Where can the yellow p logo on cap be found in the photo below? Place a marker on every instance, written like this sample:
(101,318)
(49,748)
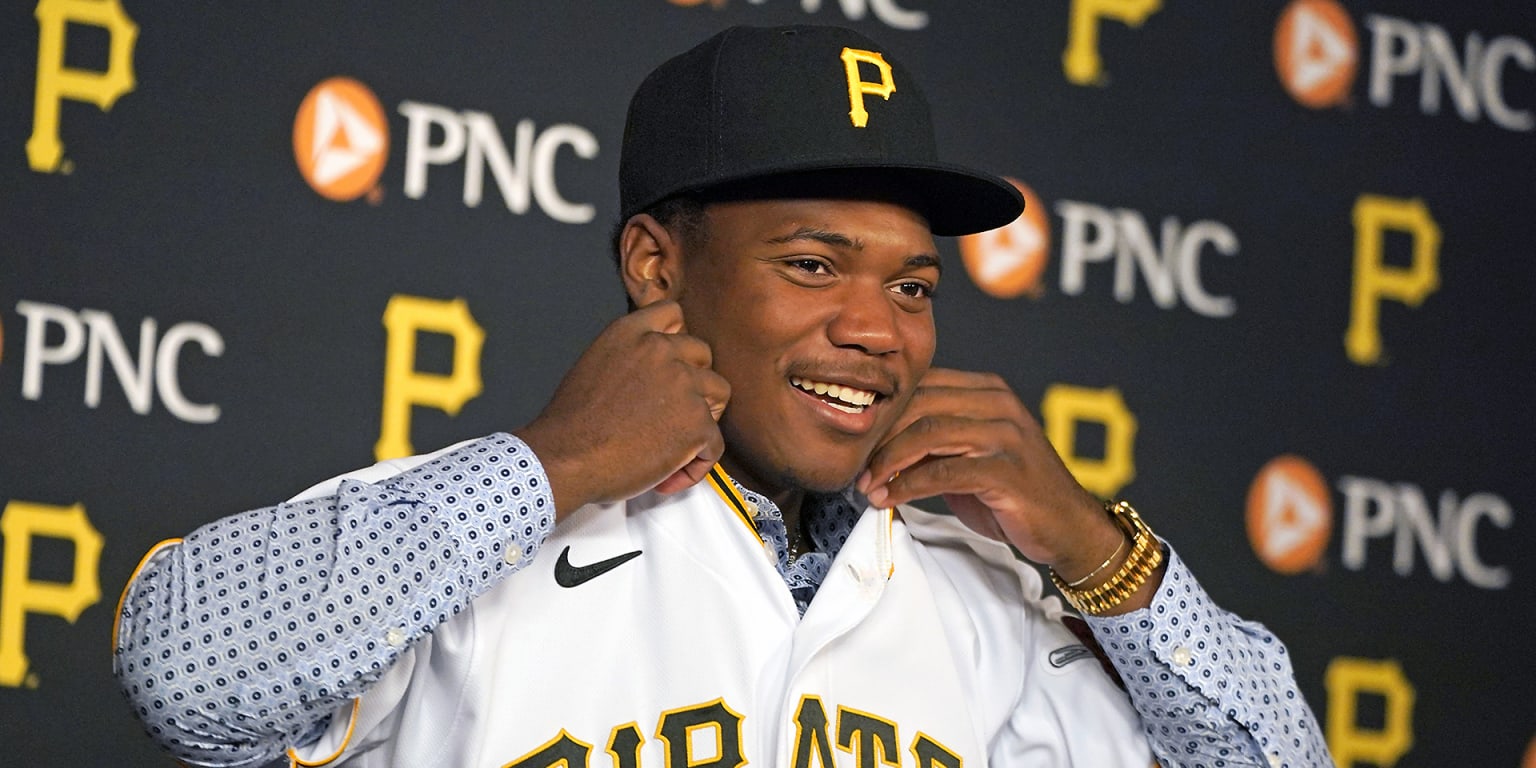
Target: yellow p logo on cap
(858,86)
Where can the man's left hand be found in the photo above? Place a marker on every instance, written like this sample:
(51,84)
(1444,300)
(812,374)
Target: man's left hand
(967,437)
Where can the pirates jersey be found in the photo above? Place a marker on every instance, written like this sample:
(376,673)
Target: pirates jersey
(657,632)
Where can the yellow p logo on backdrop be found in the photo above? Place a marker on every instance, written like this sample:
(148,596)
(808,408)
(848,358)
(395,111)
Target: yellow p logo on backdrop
(1064,408)
(404,386)
(1081,62)
(1375,280)
(56,82)
(858,87)
(22,522)
(1348,679)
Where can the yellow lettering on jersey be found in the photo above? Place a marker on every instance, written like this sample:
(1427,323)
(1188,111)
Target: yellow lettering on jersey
(931,754)
(1064,407)
(404,386)
(56,82)
(563,751)
(811,737)
(624,744)
(22,522)
(679,730)
(858,86)
(1375,280)
(1081,62)
(871,739)
(1346,679)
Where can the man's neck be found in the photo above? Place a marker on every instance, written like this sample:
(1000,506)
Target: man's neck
(788,497)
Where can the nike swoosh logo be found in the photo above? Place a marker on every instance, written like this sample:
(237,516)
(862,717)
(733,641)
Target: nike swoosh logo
(568,576)
(1065,655)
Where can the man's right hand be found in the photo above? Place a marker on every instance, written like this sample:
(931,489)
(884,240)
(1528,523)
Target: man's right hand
(638,411)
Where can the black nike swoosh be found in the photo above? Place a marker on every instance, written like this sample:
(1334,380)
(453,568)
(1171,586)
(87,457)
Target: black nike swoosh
(567,575)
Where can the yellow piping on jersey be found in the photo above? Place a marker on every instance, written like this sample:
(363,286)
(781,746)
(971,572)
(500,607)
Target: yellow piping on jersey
(295,760)
(143,561)
(890,534)
(727,490)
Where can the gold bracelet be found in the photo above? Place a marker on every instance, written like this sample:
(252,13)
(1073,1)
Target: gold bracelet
(1118,549)
(1146,555)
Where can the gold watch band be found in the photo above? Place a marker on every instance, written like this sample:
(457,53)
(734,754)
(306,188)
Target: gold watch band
(1145,557)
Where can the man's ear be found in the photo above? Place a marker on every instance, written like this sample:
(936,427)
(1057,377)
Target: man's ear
(650,261)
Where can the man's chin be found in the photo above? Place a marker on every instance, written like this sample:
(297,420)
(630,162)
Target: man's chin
(822,478)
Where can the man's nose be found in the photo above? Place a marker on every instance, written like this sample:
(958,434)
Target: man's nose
(866,319)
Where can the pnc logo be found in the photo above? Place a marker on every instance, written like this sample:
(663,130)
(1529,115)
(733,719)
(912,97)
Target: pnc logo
(888,12)
(1316,52)
(1008,262)
(340,140)
(1163,261)
(1290,520)
(1290,515)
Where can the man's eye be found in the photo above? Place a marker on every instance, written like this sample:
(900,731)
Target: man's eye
(814,266)
(915,290)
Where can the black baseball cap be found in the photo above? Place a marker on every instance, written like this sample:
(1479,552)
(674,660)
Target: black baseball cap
(781,104)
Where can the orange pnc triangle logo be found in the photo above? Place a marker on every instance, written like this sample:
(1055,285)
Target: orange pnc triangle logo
(1290,515)
(1007,262)
(340,139)
(1317,52)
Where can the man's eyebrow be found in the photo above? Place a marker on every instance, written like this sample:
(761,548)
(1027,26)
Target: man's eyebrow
(924,260)
(819,235)
(919,261)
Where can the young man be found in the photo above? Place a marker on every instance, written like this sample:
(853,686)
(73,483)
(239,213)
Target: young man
(700,552)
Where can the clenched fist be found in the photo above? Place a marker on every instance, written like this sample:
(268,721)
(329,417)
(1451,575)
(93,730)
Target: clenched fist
(638,411)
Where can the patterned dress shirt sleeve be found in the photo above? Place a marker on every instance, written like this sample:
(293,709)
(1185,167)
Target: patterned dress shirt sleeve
(243,638)
(1212,689)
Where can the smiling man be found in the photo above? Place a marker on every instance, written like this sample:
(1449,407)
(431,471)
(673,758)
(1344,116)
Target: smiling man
(701,553)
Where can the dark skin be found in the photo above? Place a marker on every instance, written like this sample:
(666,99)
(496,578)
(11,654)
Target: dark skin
(735,330)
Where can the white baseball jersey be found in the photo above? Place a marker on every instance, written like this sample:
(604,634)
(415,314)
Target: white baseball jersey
(657,633)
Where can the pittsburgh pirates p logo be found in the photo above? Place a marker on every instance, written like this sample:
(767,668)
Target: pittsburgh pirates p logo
(858,86)
(57,81)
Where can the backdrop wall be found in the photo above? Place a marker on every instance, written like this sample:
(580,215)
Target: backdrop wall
(1272,286)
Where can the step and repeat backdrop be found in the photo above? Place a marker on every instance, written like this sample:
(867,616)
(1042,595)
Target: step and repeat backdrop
(1273,285)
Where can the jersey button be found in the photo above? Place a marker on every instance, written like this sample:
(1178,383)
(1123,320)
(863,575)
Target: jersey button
(394,637)
(514,554)
(1182,656)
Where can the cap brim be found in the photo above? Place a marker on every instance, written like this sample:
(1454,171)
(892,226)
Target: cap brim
(955,200)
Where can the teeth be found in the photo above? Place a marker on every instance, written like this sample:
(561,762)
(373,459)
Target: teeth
(858,398)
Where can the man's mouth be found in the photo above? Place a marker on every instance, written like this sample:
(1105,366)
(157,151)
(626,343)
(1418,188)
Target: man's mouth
(840,396)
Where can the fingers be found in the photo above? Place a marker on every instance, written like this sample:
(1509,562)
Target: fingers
(665,319)
(716,391)
(690,475)
(949,377)
(935,475)
(688,349)
(662,317)
(945,391)
(697,468)
(936,436)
